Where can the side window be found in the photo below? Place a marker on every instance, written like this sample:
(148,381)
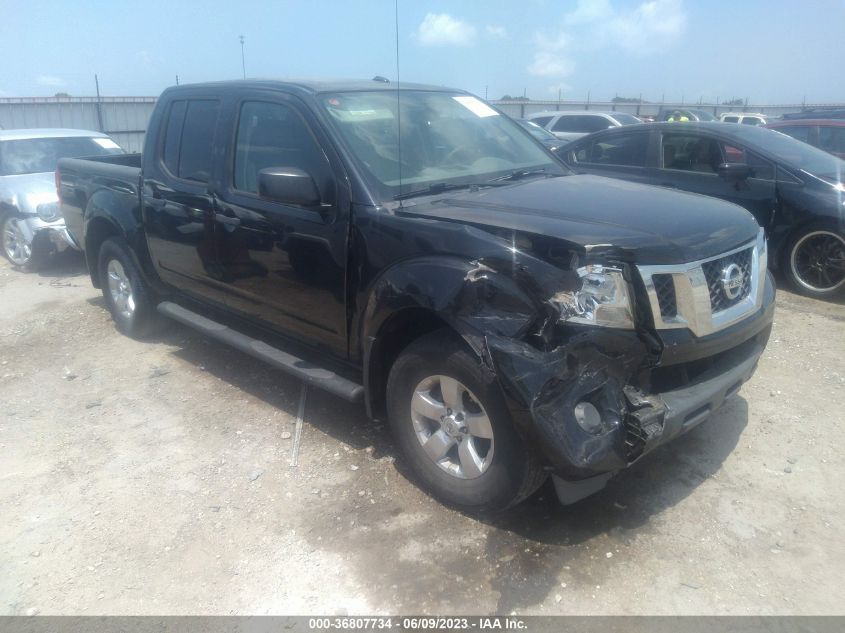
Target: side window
(751,120)
(274,135)
(542,121)
(761,168)
(832,139)
(688,152)
(197,139)
(627,150)
(581,123)
(799,132)
(730,119)
(172,136)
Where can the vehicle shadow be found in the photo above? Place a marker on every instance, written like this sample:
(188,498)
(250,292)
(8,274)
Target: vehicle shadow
(69,263)
(524,550)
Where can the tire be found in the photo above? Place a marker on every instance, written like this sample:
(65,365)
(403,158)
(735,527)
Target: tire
(475,473)
(814,261)
(15,247)
(127,296)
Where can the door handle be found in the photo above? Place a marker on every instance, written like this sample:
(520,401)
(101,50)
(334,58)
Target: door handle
(226,219)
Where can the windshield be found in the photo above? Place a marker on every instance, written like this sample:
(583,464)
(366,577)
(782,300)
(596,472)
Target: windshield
(37,155)
(703,116)
(445,138)
(536,131)
(801,155)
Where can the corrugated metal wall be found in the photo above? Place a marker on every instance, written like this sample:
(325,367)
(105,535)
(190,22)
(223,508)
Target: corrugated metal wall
(122,118)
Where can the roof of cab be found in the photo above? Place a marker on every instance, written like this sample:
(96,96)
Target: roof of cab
(312,86)
(55,132)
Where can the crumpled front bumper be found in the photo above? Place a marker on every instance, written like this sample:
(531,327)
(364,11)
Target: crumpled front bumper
(643,403)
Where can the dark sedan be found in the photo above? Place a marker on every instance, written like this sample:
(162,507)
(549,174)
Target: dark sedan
(794,191)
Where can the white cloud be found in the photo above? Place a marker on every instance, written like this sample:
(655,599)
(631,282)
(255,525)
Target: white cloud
(551,64)
(496,31)
(589,11)
(441,29)
(50,80)
(651,27)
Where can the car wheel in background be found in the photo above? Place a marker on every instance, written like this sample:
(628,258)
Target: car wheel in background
(127,296)
(16,248)
(454,428)
(815,262)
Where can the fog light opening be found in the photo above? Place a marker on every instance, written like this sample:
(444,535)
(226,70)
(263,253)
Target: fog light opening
(588,417)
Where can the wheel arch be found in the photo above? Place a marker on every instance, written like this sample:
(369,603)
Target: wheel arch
(426,294)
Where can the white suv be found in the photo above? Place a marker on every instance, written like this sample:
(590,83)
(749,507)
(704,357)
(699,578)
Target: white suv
(569,125)
(747,118)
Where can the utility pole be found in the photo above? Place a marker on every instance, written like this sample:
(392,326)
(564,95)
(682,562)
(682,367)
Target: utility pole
(99,104)
(243,62)
(177,80)
(485,92)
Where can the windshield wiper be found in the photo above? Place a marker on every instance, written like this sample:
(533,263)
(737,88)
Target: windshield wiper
(518,174)
(439,187)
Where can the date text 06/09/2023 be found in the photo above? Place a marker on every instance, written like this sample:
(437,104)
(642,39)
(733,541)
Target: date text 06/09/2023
(424,623)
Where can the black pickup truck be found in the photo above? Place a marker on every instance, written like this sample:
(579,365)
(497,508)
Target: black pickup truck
(413,248)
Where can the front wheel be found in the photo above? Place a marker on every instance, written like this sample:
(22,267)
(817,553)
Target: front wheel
(16,247)
(127,296)
(455,430)
(815,262)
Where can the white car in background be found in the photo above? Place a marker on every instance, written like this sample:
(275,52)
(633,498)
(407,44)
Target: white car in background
(31,223)
(569,125)
(745,118)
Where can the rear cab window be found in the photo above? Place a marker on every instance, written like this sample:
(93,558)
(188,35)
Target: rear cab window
(581,123)
(186,152)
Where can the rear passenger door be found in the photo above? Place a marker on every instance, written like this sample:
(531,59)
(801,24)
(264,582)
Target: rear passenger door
(178,206)
(284,265)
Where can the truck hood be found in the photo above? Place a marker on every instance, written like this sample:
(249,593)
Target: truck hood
(26,191)
(638,223)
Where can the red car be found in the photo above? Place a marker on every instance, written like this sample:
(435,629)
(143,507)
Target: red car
(826,134)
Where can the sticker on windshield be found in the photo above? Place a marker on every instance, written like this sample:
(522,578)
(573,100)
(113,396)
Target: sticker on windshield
(106,143)
(478,108)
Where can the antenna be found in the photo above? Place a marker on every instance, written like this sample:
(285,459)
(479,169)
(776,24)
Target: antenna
(398,102)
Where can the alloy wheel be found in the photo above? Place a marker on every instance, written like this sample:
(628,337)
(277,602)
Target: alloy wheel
(17,249)
(817,261)
(452,427)
(120,289)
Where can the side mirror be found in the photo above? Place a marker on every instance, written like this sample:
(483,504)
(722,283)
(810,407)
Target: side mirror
(734,172)
(289,185)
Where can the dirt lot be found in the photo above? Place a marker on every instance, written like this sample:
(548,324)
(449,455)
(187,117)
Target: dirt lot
(156,478)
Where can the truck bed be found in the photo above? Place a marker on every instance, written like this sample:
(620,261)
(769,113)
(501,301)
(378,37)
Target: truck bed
(82,178)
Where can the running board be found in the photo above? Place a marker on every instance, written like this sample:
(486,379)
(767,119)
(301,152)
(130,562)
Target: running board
(310,373)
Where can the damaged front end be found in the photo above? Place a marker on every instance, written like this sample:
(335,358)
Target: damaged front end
(589,383)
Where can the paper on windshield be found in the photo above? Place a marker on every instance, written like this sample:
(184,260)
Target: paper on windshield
(478,108)
(106,143)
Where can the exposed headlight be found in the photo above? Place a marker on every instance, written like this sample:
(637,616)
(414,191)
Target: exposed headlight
(49,211)
(602,300)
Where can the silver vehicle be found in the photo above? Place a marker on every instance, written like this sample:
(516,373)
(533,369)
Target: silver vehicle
(31,223)
(569,125)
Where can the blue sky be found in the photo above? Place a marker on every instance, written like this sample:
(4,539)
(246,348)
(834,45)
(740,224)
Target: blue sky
(776,51)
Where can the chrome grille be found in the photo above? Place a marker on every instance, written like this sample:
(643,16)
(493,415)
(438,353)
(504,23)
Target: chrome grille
(664,286)
(708,295)
(714,270)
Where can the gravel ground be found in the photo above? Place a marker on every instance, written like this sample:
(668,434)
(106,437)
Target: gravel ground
(157,478)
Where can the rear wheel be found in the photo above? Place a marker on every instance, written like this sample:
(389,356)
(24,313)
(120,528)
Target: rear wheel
(127,296)
(455,430)
(815,262)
